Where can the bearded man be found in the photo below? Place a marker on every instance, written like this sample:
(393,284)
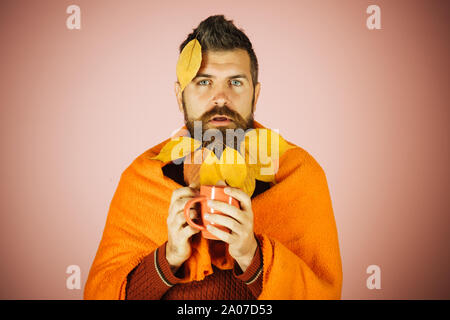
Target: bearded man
(283,240)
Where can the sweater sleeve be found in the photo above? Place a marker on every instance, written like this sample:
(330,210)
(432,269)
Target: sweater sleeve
(151,278)
(253,276)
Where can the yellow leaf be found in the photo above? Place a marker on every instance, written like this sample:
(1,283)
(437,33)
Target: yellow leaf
(249,147)
(249,184)
(189,62)
(209,170)
(232,167)
(177,148)
(263,146)
(262,172)
(196,157)
(276,145)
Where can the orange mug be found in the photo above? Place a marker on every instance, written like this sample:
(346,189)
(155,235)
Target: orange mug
(209,193)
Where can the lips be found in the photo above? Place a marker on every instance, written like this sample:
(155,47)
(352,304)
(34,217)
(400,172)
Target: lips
(220,118)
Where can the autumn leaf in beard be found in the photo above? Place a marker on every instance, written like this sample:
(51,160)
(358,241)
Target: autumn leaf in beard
(191,169)
(257,159)
(232,167)
(209,170)
(263,149)
(177,148)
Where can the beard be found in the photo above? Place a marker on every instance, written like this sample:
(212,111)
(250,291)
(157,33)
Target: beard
(233,136)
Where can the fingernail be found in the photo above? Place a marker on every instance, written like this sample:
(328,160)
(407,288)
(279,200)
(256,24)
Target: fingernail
(206,216)
(210,202)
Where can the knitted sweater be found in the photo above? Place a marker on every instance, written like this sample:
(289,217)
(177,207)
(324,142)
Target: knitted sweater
(153,278)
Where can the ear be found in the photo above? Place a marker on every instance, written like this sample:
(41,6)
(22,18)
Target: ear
(257,89)
(178,94)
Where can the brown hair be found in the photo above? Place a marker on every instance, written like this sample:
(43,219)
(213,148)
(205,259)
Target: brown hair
(217,33)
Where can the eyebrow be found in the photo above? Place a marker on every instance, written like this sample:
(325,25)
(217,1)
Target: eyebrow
(205,75)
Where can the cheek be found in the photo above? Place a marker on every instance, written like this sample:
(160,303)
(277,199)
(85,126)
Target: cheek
(243,103)
(195,107)
(244,94)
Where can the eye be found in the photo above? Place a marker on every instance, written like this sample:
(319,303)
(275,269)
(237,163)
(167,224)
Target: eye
(203,82)
(236,83)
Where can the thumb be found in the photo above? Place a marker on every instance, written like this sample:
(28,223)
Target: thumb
(194,184)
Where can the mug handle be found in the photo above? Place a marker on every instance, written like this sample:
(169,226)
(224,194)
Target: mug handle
(188,206)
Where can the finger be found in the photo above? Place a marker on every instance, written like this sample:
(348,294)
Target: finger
(194,184)
(181,219)
(174,209)
(221,235)
(225,221)
(221,183)
(189,231)
(182,192)
(241,196)
(228,209)
(178,205)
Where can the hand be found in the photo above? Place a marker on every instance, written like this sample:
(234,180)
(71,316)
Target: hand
(178,248)
(241,241)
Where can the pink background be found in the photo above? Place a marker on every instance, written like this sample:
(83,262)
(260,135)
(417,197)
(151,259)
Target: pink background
(372,107)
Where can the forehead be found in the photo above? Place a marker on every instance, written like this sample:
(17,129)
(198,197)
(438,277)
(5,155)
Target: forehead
(227,61)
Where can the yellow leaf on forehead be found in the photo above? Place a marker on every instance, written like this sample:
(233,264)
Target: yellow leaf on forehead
(189,62)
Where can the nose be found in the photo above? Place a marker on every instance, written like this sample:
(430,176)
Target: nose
(220,98)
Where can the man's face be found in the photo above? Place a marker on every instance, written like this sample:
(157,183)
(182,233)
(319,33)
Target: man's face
(222,95)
